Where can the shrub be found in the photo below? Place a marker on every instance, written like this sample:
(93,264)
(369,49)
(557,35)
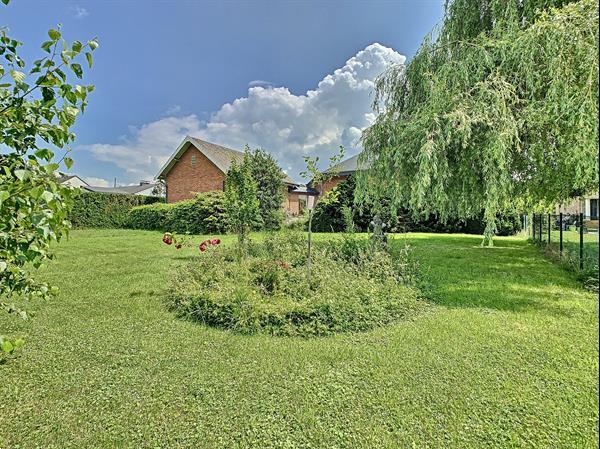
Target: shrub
(204,214)
(105,210)
(331,214)
(151,217)
(267,291)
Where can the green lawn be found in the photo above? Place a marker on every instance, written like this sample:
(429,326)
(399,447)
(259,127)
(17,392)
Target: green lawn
(506,357)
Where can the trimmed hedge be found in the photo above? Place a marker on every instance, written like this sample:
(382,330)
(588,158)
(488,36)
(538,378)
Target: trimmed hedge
(105,210)
(205,214)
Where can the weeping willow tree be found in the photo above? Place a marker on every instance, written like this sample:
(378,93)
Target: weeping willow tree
(497,110)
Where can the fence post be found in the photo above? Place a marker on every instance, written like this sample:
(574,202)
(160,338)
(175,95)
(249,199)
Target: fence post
(560,224)
(580,240)
(549,228)
(541,227)
(533,227)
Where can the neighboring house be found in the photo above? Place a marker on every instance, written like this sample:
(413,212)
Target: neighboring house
(586,205)
(71,180)
(144,188)
(342,171)
(198,166)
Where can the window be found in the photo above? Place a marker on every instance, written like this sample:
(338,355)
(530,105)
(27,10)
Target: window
(594,209)
(194,160)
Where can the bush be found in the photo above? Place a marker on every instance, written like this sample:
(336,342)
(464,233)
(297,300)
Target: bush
(152,217)
(267,292)
(330,216)
(205,214)
(105,210)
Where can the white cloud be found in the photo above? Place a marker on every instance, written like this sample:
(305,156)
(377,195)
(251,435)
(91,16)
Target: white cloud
(96,182)
(148,147)
(79,12)
(287,125)
(263,83)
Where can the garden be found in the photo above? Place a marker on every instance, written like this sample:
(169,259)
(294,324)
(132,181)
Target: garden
(503,355)
(406,309)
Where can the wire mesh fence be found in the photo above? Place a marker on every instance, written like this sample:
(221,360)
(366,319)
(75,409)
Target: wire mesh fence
(572,237)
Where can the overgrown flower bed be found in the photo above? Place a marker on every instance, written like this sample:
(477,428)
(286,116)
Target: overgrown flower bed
(355,285)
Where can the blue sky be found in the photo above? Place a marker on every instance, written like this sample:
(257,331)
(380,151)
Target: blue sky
(257,72)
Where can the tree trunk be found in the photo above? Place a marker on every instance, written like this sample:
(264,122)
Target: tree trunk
(309,256)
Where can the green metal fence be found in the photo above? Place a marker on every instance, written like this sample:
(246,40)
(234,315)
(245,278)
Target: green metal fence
(574,237)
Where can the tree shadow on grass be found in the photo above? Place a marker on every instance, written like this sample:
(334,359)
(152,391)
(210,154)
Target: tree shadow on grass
(511,276)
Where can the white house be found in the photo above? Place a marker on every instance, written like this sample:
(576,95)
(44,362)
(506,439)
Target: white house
(71,180)
(144,188)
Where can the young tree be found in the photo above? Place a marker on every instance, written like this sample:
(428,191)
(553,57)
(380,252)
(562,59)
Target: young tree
(241,202)
(38,105)
(497,110)
(269,186)
(318,178)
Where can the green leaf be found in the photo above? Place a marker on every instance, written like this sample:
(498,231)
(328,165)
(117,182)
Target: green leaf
(3,266)
(93,43)
(77,70)
(45,154)
(76,47)
(47,45)
(68,162)
(6,2)
(22,174)
(88,56)
(19,77)
(47,196)
(54,34)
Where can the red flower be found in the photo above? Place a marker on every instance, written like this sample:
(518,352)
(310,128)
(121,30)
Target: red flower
(215,241)
(167,238)
(202,247)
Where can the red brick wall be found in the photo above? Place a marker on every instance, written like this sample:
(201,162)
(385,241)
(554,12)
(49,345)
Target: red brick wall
(327,186)
(184,180)
(292,205)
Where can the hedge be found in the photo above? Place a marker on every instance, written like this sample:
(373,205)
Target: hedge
(204,214)
(105,210)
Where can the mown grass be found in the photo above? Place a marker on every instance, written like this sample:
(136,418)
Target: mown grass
(507,357)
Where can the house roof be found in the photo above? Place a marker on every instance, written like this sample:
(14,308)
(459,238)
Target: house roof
(64,177)
(219,155)
(305,190)
(348,166)
(127,190)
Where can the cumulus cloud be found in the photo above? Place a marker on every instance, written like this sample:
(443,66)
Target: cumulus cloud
(96,182)
(262,83)
(148,147)
(287,125)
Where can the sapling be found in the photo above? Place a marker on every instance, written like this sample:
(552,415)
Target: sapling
(318,178)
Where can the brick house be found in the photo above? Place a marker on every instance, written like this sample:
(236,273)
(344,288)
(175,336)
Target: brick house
(343,170)
(198,166)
